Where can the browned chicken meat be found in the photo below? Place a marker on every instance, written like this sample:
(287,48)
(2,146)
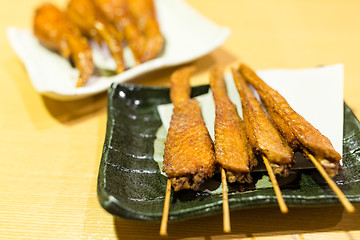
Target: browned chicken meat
(85,15)
(189,156)
(55,31)
(263,135)
(298,132)
(118,12)
(145,15)
(232,148)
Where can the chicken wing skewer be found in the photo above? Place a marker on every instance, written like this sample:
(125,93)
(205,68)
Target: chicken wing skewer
(84,14)
(263,135)
(189,156)
(55,31)
(297,131)
(117,12)
(145,15)
(232,148)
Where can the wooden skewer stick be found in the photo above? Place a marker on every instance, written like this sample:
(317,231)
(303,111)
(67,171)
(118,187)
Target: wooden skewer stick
(226,212)
(345,202)
(280,199)
(165,216)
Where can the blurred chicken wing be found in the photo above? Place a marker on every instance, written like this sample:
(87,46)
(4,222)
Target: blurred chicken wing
(145,16)
(84,14)
(55,31)
(117,12)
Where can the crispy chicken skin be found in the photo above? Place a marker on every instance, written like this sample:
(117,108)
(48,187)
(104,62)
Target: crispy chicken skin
(55,31)
(145,15)
(263,135)
(117,12)
(189,156)
(299,132)
(84,14)
(232,148)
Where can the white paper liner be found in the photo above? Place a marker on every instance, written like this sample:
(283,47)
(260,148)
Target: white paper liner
(315,93)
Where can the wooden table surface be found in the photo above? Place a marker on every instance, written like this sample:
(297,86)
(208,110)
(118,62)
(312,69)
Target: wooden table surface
(50,150)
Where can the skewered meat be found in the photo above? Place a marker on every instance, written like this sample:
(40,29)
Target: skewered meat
(263,135)
(189,152)
(117,12)
(84,14)
(55,31)
(232,148)
(298,132)
(145,15)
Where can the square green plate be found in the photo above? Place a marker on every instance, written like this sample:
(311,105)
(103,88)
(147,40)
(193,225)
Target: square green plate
(131,186)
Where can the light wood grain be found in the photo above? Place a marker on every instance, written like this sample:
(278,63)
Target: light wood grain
(226,208)
(165,215)
(281,202)
(342,198)
(50,150)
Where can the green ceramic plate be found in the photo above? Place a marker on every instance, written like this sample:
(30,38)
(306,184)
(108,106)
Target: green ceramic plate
(131,186)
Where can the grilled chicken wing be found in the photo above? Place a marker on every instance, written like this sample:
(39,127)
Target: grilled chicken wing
(263,135)
(293,126)
(117,12)
(84,14)
(189,152)
(232,148)
(145,15)
(55,31)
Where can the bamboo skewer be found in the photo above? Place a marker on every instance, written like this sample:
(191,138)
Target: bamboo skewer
(282,205)
(165,215)
(279,197)
(226,212)
(345,202)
